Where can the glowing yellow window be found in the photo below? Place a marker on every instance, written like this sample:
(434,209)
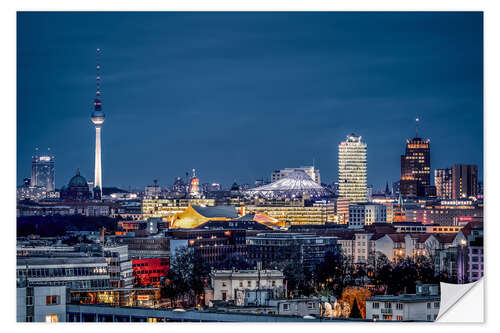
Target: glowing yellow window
(51,318)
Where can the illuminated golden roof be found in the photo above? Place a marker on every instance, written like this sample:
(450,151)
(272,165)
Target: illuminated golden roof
(193,216)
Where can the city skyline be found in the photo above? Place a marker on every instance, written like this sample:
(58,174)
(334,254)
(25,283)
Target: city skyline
(215,126)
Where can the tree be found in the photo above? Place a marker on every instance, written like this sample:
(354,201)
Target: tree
(169,288)
(189,273)
(333,273)
(358,295)
(355,312)
(288,259)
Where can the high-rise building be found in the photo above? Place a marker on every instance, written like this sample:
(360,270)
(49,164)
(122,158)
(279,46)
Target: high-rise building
(311,171)
(443,182)
(416,167)
(464,181)
(352,169)
(97,118)
(43,171)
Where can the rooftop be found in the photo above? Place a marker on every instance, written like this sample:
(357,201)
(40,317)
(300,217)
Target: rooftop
(295,185)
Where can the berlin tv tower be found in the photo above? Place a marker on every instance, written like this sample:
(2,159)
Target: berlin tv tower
(97,118)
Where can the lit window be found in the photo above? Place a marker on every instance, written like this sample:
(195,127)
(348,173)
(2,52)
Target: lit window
(51,300)
(51,318)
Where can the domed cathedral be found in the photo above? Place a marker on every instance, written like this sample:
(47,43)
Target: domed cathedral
(77,190)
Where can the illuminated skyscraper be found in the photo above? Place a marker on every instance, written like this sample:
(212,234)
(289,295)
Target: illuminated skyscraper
(443,182)
(42,171)
(352,169)
(464,182)
(97,118)
(416,167)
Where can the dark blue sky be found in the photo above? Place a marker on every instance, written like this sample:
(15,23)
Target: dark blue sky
(237,95)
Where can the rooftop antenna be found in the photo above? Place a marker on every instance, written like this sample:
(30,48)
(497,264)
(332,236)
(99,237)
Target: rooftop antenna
(98,73)
(416,126)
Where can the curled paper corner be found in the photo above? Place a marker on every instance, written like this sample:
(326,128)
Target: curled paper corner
(462,302)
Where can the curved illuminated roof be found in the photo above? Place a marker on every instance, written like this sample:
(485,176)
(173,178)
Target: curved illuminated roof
(193,216)
(294,185)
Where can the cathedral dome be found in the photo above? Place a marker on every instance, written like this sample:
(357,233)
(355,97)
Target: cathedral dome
(77,180)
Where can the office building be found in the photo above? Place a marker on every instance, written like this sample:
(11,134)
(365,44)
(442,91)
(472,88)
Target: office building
(361,215)
(295,213)
(352,169)
(464,183)
(43,171)
(120,267)
(150,271)
(415,168)
(311,171)
(268,247)
(75,273)
(444,184)
(152,190)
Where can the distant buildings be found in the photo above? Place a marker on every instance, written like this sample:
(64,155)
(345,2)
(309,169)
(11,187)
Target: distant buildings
(457,182)
(43,172)
(443,182)
(416,168)
(295,213)
(445,212)
(464,181)
(269,247)
(41,185)
(152,190)
(194,188)
(361,215)
(352,169)
(167,208)
(311,171)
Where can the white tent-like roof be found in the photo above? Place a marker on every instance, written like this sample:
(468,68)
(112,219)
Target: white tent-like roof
(294,185)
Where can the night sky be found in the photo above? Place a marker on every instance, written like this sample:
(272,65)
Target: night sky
(238,95)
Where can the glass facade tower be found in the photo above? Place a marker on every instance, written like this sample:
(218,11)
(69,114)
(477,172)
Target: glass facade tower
(43,172)
(415,167)
(352,169)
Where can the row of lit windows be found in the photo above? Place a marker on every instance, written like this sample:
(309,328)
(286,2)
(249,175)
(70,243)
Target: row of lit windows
(62,272)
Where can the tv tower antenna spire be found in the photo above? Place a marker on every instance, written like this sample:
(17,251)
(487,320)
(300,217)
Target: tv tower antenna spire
(416,126)
(98,73)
